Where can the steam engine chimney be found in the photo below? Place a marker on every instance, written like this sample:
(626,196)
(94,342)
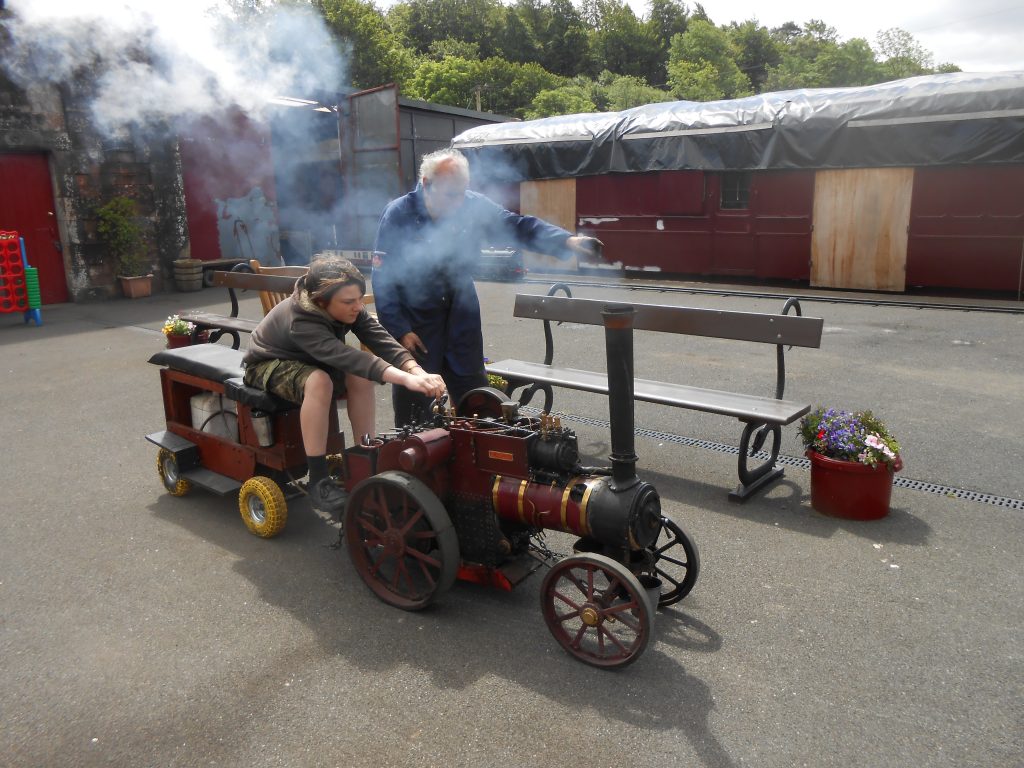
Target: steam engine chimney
(618,334)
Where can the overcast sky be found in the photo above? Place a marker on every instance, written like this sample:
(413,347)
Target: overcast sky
(978,36)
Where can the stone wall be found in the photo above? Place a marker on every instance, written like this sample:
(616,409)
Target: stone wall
(87,169)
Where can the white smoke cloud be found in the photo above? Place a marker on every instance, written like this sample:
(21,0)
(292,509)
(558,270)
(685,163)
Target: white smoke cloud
(154,61)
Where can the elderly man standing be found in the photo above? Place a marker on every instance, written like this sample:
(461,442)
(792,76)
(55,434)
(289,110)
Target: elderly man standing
(429,241)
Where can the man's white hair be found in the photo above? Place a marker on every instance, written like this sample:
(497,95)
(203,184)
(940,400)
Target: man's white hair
(451,160)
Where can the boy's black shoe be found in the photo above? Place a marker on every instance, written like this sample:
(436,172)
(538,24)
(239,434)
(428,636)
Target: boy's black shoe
(327,496)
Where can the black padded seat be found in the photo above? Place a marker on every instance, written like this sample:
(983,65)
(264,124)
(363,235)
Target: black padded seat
(238,390)
(209,361)
(224,365)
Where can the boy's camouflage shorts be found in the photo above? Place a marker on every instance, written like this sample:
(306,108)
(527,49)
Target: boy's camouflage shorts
(287,378)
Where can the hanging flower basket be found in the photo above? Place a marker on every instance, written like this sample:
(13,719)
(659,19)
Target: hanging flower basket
(853,460)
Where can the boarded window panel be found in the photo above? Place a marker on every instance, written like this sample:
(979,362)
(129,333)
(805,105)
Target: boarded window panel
(553,200)
(860,228)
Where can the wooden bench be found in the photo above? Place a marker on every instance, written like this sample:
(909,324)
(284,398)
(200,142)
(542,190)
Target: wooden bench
(232,325)
(760,416)
(274,285)
(212,265)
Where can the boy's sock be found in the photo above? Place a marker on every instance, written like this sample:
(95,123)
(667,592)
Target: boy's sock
(317,468)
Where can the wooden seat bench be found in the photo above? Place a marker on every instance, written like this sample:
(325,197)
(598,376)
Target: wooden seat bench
(274,285)
(232,325)
(761,416)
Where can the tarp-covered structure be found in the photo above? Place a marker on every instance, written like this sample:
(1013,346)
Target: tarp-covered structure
(947,119)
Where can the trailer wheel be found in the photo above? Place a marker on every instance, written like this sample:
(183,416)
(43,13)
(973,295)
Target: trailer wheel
(676,562)
(263,507)
(401,540)
(170,475)
(597,610)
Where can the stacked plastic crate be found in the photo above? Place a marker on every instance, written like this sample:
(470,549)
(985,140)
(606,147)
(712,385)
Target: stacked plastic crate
(19,283)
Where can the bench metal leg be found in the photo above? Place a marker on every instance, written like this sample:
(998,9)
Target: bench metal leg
(216,333)
(753,480)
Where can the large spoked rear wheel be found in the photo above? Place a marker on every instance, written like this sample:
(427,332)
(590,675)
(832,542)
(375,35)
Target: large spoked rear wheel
(263,507)
(596,610)
(401,540)
(676,562)
(170,474)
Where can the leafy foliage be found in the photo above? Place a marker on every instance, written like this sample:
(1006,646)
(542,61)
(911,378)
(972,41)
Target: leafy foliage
(844,436)
(375,54)
(702,65)
(119,230)
(539,57)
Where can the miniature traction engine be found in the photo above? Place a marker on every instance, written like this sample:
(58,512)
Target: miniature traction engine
(468,493)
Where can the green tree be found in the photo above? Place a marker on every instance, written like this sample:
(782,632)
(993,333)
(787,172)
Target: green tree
(509,88)
(623,44)
(421,22)
(626,92)
(460,49)
(902,55)
(567,100)
(852,63)
(799,67)
(694,81)
(495,85)
(757,51)
(376,55)
(517,40)
(454,81)
(565,40)
(667,19)
(702,62)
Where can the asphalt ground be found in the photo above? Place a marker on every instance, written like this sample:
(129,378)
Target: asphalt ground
(138,629)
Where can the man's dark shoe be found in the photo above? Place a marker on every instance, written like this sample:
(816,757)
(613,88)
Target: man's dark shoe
(328,497)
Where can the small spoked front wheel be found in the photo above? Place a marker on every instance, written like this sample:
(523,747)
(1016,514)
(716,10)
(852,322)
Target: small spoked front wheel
(597,610)
(676,562)
(170,474)
(262,505)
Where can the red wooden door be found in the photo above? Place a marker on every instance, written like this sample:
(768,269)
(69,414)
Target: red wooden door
(26,205)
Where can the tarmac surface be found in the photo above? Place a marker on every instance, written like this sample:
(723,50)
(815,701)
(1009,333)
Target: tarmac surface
(138,629)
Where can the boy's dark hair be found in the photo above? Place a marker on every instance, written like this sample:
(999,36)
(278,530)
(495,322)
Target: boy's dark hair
(329,273)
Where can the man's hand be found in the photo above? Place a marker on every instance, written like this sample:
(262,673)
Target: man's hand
(414,344)
(585,246)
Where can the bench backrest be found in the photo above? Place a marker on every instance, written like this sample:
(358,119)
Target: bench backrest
(249,281)
(270,299)
(791,330)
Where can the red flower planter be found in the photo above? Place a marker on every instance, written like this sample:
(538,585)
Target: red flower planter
(849,489)
(175,340)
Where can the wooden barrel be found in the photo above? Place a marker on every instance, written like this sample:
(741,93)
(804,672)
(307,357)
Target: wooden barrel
(188,274)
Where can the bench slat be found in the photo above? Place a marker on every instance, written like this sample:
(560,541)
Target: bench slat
(278,283)
(211,320)
(743,407)
(792,330)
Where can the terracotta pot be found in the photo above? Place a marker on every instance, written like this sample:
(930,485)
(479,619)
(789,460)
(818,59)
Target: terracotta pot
(849,489)
(136,287)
